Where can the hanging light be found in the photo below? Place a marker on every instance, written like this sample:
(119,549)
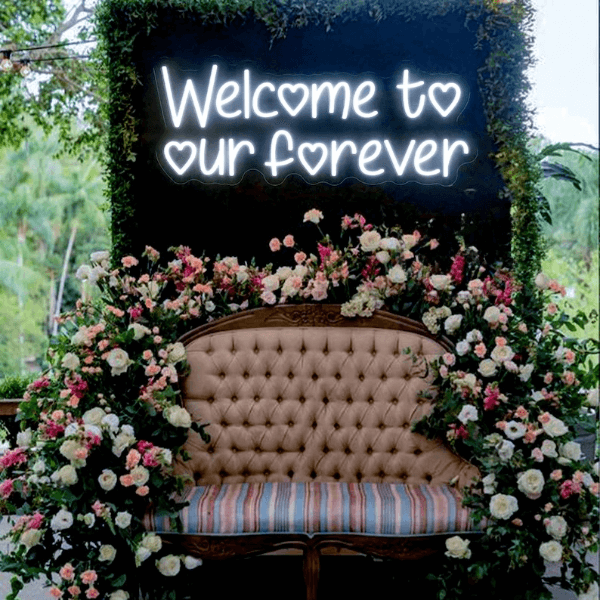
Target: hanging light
(6,64)
(25,69)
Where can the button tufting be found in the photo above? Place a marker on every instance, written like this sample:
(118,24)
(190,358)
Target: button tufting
(369,450)
(394,400)
(210,400)
(266,472)
(234,449)
(233,351)
(361,377)
(350,352)
(373,352)
(381,474)
(429,478)
(349,401)
(290,423)
(336,425)
(325,450)
(301,449)
(403,476)
(359,426)
(211,450)
(234,398)
(222,375)
(383,377)
(268,424)
(290,375)
(223,474)
(268,375)
(256,350)
(348,451)
(313,475)
(382,426)
(338,376)
(245,473)
(258,449)
(256,398)
(325,352)
(279,350)
(246,424)
(224,423)
(302,399)
(359,476)
(246,375)
(370,400)
(279,450)
(406,425)
(418,451)
(394,451)
(407,376)
(315,376)
(336,475)
(326,400)
(302,350)
(290,474)
(279,399)
(314,425)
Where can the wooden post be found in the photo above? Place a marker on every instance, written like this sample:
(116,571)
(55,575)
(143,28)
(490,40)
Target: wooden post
(311,571)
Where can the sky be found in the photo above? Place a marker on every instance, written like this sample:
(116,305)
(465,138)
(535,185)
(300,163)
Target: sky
(565,78)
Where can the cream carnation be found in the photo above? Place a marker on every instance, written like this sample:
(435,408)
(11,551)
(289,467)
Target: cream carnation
(70,361)
(570,451)
(176,353)
(515,430)
(152,542)
(503,506)
(468,413)
(452,324)
(107,480)
(119,595)
(554,427)
(63,519)
(107,553)
(492,314)
(502,353)
(66,475)
(271,283)
(440,282)
(397,274)
(487,367)
(94,416)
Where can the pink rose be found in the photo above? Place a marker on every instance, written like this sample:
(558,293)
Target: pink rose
(89,577)
(275,245)
(92,593)
(129,261)
(288,241)
(67,572)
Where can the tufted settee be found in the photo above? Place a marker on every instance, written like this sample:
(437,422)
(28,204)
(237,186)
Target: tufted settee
(311,445)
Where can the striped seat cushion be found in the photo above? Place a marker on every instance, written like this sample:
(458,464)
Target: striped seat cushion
(381,509)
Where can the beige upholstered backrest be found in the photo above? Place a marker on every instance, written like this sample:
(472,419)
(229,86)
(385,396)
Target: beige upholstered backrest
(300,393)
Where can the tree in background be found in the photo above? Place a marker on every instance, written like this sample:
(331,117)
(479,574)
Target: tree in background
(50,221)
(46,73)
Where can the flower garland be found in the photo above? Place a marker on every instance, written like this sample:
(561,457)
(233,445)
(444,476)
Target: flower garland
(101,432)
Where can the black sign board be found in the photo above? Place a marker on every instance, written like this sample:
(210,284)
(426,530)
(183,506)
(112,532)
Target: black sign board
(241,134)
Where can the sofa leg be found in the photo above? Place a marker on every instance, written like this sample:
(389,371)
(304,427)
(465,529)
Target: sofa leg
(311,572)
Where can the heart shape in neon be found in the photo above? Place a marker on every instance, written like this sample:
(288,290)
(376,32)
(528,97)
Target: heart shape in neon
(180,147)
(293,89)
(312,148)
(444,88)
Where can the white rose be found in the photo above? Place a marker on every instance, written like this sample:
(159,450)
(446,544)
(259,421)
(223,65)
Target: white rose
(111,421)
(468,413)
(191,562)
(489,484)
(388,243)
(152,542)
(178,416)
(474,336)
(271,283)
(525,372)
(107,480)
(63,519)
(555,427)
(139,331)
(383,257)
(93,416)
(123,520)
(506,450)
(89,519)
(66,475)
(24,438)
(592,397)
(70,361)
(369,241)
(503,506)
(515,430)
(556,527)
(118,360)
(549,449)
(592,593)
(456,547)
(463,347)
(176,352)
(551,551)
(39,467)
(80,337)
(119,595)
(440,282)
(314,215)
(107,553)
(409,240)
(492,314)
(542,281)
(169,565)
(571,450)
(502,353)
(140,475)
(123,440)
(531,483)
(487,367)
(463,297)
(31,537)
(141,554)
(83,272)
(397,274)
(452,323)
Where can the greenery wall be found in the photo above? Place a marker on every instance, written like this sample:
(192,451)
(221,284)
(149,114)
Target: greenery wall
(502,36)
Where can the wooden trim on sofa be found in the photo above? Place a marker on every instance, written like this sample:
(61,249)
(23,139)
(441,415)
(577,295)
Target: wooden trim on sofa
(9,406)
(310,315)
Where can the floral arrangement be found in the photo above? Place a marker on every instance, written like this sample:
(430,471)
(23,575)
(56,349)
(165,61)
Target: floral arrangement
(102,430)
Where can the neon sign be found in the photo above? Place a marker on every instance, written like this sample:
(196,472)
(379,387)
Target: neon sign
(220,124)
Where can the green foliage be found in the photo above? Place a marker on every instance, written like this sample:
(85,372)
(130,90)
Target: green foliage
(14,386)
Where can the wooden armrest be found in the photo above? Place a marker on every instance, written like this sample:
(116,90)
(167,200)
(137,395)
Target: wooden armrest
(9,407)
